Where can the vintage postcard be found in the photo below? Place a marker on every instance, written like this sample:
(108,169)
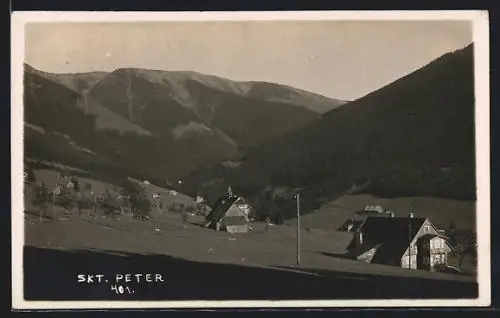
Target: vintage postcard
(250,159)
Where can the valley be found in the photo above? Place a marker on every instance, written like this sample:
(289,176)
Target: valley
(180,136)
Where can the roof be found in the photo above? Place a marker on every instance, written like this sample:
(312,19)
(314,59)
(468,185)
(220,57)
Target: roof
(220,207)
(393,235)
(364,248)
(430,236)
(444,237)
(356,224)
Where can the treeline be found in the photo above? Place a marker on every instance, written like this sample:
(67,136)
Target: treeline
(71,195)
(454,183)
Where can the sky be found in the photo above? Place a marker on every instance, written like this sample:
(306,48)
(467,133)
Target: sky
(338,59)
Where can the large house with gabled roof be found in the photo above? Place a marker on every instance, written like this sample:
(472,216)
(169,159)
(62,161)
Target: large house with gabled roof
(230,213)
(408,242)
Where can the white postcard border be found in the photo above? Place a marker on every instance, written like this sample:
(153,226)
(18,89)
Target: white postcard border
(480,22)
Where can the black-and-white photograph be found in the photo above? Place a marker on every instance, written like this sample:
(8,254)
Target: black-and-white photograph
(250,159)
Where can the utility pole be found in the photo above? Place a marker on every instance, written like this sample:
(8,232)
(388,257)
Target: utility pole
(298,228)
(409,241)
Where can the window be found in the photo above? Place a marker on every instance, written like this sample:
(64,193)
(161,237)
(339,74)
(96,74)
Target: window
(436,259)
(437,244)
(427,229)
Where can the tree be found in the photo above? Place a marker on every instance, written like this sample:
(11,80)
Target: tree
(463,242)
(82,201)
(94,203)
(65,199)
(139,202)
(76,184)
(41,199)
(109,203)
(30,175)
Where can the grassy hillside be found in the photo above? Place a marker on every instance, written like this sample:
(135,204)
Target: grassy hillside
(248,120)
(441,212)
(199,263)
(414,137)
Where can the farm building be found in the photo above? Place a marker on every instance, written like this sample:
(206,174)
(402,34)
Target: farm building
(231,214)
(374,210)
(388,241)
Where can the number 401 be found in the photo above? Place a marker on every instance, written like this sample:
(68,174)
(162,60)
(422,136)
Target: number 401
(120,289)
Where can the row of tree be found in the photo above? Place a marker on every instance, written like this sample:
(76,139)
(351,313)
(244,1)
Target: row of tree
(131,197)
(464,242)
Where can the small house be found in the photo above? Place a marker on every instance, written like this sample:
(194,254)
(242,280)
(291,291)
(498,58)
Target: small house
(408,242)
(374,208)
(231,214)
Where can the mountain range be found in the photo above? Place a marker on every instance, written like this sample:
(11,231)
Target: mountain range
(413,137)
(160,124)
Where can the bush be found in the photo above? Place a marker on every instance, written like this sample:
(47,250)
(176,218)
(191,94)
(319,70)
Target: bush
(139,202)
(108,202)
(464,243)
(41,199)
(65,199)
